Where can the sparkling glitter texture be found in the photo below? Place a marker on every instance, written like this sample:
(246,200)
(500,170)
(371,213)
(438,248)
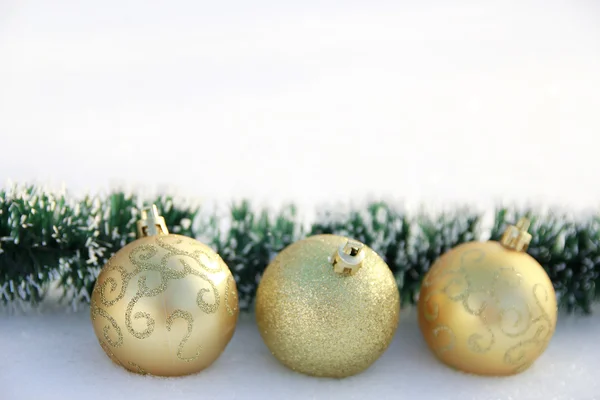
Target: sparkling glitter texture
(164,305)
(319,322)
(487,310)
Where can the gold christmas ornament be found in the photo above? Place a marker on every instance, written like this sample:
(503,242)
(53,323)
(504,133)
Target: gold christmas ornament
(164,304)
(327,306)
(488,308)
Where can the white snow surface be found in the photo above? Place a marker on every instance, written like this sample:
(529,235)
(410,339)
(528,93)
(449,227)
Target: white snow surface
(55,355)
(435,102)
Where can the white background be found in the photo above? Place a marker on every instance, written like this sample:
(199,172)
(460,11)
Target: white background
(427,102)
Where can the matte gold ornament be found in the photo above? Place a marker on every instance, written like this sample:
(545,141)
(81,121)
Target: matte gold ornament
(327,306)
(164,304)
(488,308)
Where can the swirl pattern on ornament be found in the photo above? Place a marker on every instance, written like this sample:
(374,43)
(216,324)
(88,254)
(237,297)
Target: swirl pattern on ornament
(144,259)
(137,368)
(190,320)
(113,324)
(517,354)
(228,292)
(478,290)
(438,330)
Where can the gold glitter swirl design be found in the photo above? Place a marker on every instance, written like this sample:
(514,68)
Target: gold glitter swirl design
(475,340)
(233,293)
(495,315)
(190,322)
(138,315)
(516,355)
(99,311)
(137,368)
(140,257)
(202,259)
(205,306)
(113,285)
(444,329)
(462,288)
(147,269)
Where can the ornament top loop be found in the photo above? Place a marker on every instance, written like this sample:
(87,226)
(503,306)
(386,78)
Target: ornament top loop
(516,237)
(151,223)
(349,258)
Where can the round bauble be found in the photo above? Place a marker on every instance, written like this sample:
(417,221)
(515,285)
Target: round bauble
(488,308)
(327,306)
(164,304)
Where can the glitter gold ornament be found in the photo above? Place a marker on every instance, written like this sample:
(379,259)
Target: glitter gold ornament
(488,308)
(164,304)
(327,306)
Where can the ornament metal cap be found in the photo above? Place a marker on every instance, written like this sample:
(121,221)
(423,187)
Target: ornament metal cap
(516,237)
(349,258)
(151,223)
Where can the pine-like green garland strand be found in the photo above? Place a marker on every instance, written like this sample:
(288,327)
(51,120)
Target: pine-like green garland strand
(47,238)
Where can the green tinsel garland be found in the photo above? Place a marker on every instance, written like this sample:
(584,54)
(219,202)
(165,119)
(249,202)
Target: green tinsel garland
(48,238)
